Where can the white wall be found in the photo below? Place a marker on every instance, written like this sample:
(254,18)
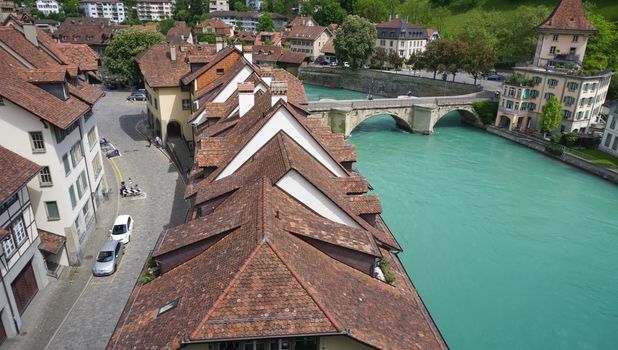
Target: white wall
(282,120)
(233,85)
(298,187)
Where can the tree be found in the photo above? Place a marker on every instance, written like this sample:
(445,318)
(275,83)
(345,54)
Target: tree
(416,11)
(550,115)
(455,52)
(373,10)
(602,51)
(207,38)
(355,40)
(433,56)
(71,8)
(124,47)
(165,25)
(239,6)
(239,27)
(265,23)
(324,12)
(395,60)
(380,55)
(479,59)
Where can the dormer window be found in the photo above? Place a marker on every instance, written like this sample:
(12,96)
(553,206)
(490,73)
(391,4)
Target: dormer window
(575,38)
(555,38)
(167,307)
(1,101)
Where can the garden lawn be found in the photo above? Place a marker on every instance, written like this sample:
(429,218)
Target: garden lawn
(599,158)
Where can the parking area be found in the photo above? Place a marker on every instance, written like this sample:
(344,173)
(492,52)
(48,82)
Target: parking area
(80,311)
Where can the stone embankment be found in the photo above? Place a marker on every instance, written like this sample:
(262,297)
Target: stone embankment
(568,158)
(382,83)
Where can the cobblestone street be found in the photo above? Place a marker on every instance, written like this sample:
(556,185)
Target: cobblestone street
(79,311)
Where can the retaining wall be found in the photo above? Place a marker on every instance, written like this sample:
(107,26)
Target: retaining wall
(382,83)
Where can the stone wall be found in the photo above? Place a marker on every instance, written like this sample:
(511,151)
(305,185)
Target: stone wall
(566,157)
(384,84)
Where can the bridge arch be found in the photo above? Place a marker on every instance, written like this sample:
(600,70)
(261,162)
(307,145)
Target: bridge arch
(400,120)
(467,113)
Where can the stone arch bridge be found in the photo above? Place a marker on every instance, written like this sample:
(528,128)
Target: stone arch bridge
(416,114)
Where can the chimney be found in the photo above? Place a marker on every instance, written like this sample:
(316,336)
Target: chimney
(30,33)
(219,44)
(172,52)
(248,53)
(278,91)
(246,98)
(266,73)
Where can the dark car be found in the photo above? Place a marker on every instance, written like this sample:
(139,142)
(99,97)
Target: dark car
(495,77)
(137,96)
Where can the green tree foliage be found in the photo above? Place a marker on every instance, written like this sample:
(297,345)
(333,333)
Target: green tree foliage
(455,52)
(324,12)
(374,10)
(206,38)
(124,47)
(265,23)
(433,56)
(486,110)
(239,27)
(181,11)
(355,40)
(165,25)
(602,50)
(395,60)
(550,115)
(480,58)
(71,8)
(416,11)
(513,37)
(239,6)
(380,55)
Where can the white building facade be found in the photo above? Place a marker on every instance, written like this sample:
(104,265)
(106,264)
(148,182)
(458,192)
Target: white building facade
(609,142)
(48,6)
(154,10)
(401,37)
(218,5)
(112,9)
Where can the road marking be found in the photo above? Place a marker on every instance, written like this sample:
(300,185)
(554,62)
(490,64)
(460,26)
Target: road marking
(142,195)
(117,169)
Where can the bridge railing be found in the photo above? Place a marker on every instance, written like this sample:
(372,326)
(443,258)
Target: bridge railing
(394,102)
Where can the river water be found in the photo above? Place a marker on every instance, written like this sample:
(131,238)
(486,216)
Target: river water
(509,249)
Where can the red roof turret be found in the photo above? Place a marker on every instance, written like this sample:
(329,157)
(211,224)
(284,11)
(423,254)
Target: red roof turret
(568,15)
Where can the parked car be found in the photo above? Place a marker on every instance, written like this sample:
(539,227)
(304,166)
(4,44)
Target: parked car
(496,77)
(346,65)
(122,229)
(137,96)
(108,258)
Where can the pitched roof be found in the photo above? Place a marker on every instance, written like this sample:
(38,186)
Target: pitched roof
(86,30)
(568,15)
(215,59)
(245,14)
(329,47)
(302,21)
(307,33)
(161,71)
(80,55)
(397,23)
(40,102)
(15,172)
(179,34)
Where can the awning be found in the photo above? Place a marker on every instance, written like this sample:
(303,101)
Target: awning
(51,242)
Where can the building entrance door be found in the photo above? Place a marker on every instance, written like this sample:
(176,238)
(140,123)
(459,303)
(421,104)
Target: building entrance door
(24,288)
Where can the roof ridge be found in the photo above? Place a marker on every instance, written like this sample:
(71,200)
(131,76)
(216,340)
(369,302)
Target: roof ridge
(228,288)
(294,274)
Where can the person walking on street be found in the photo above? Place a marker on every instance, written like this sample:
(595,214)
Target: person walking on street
(149,141)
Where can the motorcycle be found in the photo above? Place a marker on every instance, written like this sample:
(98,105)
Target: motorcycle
(132,190)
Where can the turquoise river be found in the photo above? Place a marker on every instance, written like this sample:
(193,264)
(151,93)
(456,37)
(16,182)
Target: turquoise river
(509,249)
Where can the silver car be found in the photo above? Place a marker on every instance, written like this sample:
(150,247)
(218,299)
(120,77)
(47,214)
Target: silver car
(108,258)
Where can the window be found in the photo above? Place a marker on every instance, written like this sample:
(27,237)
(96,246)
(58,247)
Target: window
(72,195)
(532,106)
(45,179)
(383,42)
(580,115)
(86,211)
(156,103)
(220,71)
(568,100)
(1,101)
(552,83)
(575,38)
(391,43)
(537,80)
(96,165)
(36,141)
(62,133)
(92,137)
(18,229)
(67,164)
(613,122)
(572,85)
(548,95)
(615,144)
(186,105)
(9,246)
(81,185)
(534,93)
(608,140)
(552,50)
(52,211)
(566,114)
(76,153)
(556,36)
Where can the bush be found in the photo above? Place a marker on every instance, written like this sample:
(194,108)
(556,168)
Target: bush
(486,110)
(385,266)
(555,139)
(555,149)
(571,139)
(206,38)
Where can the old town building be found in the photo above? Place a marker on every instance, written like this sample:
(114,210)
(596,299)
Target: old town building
(558,72)
(308,40)
(399,36)
(154,10)
(114,10)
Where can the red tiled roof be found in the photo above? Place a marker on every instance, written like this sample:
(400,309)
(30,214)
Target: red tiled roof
(41,103)
(568,15)
(80,55)
(51,242)
(301,21)
(15,172)
(397,23)
(178,34)
(307,33)
(158,68)
(86,30)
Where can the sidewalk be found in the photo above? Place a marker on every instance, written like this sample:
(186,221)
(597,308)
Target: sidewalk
(52,304)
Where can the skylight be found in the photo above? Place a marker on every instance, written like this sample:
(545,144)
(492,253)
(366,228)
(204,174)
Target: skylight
(167,307)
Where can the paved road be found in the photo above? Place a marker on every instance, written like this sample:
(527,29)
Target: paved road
(79,311)
(466,78)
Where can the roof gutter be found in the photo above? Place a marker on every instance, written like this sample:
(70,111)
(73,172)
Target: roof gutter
(188,342)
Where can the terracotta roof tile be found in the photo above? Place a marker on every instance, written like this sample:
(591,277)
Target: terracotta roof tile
(160,70)
(80,55)
(568,15)
(51,242)
(303,32)
(15,172)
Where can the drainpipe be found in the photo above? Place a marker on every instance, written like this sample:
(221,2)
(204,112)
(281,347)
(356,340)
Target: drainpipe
(81,135)
(6,293)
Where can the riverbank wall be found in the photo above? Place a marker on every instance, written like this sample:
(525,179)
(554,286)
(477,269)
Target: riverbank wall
(568,158)
(382,83)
